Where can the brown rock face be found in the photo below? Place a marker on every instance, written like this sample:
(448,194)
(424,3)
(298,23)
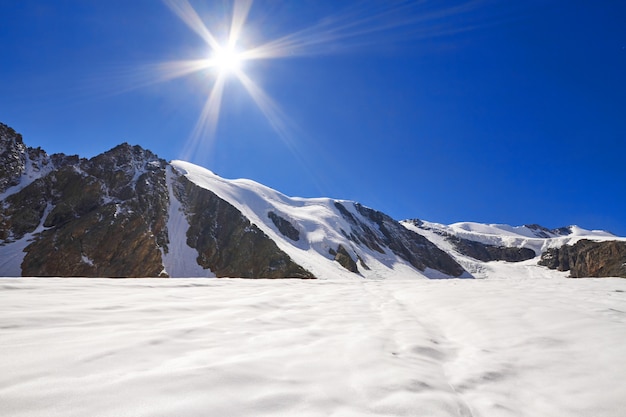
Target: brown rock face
(12,155)
(227,243)
(487,253)
(103,217)
(284,226)
(377,231)
(96,244)
(484,252)
(343,257)
(587,258)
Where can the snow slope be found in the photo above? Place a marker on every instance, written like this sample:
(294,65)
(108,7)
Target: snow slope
(443,348)
(180,259)
(317,220)
(12,255)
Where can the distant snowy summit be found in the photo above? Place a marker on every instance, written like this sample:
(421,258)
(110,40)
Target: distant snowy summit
(128,213)
(584,253)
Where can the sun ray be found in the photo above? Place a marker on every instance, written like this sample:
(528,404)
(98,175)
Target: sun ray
(241,8)
(359,25)
(282,125)
(187,14)
(272,112)
(177,69)
(365,24)
(203,133)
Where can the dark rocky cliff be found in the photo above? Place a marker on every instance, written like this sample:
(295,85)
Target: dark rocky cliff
(481,251)
(487,253)
(13,157)
(100,217)
(587,258)
(388,233)
(227,243)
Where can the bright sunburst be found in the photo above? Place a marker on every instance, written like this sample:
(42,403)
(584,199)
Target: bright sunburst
(227,60)
(365,24)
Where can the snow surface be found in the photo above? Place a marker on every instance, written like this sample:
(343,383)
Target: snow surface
(491,348)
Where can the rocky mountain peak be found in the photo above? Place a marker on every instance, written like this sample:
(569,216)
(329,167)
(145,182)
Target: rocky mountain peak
(76,217)
(13,157)
(544,232)
(124,168)
(540,231)
(9,138)
(130,159)
(125,154)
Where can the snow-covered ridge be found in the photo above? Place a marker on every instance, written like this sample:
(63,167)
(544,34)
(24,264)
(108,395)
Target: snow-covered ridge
(320,225)
(533,237)
(315,219)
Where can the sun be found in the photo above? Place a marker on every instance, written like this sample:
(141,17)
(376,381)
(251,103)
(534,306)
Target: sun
(227,59)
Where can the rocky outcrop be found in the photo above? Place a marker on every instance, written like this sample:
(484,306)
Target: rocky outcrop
(103,217)
(344,259)
(487,253)
(227,243)
(284,226)
(12,155)
(543,232)
(96,244)
(484,252)
(380,231)
(587,258)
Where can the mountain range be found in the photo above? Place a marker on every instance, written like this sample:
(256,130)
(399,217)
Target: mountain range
(129,213)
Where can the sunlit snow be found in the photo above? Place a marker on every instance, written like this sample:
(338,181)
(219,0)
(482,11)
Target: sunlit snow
(499,347)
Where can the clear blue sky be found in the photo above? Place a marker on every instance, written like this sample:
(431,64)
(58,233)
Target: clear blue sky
(489,111)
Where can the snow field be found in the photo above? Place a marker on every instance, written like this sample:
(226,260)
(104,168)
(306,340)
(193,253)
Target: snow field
(219,347)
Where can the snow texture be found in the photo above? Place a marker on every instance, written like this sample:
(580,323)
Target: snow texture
(446,348)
